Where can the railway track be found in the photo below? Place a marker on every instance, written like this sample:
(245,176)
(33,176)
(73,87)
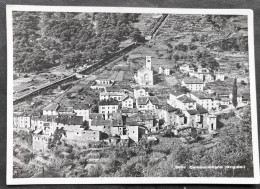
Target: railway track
(89,69)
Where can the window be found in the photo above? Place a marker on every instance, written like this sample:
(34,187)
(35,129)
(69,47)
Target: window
(103,107)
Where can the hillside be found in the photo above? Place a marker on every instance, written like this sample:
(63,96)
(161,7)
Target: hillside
(43,40)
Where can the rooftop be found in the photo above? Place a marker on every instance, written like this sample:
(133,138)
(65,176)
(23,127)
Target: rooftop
(114,88)
(192,112)
(108,102)
(95,116)
(100,122)
(144,100)
(129,110)
(201,109)
(201,95)
(51,107)
(65,109)
(81,106)
(126,97)
(70,120)
(186,99)
(176,93)
(193,81)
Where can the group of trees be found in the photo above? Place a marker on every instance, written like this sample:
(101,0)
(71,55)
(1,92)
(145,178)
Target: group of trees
(46,39)
(206,60)
(239,43)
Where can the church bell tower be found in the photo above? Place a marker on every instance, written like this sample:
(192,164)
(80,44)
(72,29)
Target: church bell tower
(148,62)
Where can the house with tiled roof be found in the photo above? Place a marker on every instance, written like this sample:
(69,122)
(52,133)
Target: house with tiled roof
(115,95)
(66,110)
(147,103)
(184,102)
(22,120)
(108,106)
(127,101)
(51,109)
(117,126)
(209,102)
(193,84)
(173,97)
(164,70)
(82,110)
(135,131)
(104,126)
(140,92)
(113,89)
(128,111)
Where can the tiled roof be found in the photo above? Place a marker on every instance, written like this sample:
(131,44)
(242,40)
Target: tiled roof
(108,102)
(100,122)
(201,95)
(129,110)
(65,109)
(51,107)
(176,93)
(70,120)
(133,118)
(81,106)
(114,88)
(102,77)
(132,123)
(95,116)
(145,117)
(117,122)
(124,137)
(186,99)
(169,108)
(225,99)
(48,118)
(144,100)
(193,81)
(201,109)
(192,112)
(246,96)
(126,97)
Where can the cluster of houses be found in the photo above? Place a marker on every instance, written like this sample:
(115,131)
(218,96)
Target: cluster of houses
(124,116)
(203,74)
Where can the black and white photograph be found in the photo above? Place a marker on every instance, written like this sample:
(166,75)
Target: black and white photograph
(130,95)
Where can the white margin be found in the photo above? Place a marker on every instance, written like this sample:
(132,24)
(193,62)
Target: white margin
(129,180)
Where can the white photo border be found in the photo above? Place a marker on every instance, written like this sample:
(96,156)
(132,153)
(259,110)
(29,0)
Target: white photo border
(130,180)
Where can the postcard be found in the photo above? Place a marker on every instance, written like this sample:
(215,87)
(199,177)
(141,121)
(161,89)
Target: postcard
(121,95)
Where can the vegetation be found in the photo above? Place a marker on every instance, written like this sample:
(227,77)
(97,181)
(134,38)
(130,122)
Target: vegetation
(234,93)
(45,39)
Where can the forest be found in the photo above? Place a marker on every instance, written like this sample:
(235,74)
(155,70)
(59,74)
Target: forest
(46,39)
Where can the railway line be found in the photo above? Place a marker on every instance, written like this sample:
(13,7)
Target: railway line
(89,69)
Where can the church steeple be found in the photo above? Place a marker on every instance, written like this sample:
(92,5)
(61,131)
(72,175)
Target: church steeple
(148,62)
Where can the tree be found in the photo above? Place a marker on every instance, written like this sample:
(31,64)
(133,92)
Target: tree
(213,64)
(234,93)
(85,125)
(238,66)
(176,57)
(136,35)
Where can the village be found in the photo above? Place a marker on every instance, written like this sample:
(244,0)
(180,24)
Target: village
(125,116)
(143,96)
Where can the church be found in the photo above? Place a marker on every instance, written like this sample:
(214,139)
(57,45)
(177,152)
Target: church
(144,75)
